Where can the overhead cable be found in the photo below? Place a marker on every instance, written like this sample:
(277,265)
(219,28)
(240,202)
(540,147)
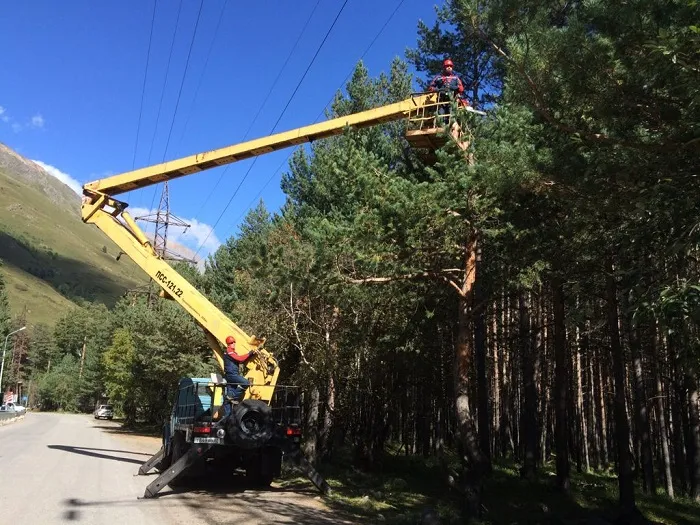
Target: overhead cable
(286,160)
(273,128)
(143,88)
(260,108)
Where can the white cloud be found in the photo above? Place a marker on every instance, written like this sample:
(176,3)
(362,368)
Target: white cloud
(63,177)
(199,233)
(37,121)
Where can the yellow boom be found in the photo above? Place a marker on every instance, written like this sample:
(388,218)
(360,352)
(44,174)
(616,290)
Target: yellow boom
(109,215)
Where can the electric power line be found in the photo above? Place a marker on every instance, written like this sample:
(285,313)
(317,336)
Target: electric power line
(184,75)
(376,37)
(286,160)
(318,50)
(167,73)
(262,105)
(143,88)
(204,69)
(162,94)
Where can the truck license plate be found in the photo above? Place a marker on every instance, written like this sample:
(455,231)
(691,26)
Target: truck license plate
(206,440)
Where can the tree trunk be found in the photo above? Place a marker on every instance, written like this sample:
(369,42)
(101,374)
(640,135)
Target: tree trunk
(591,398)
(678,413)
(602,412)
(622,430)
(583,427)
(661,418)
(475,464)
(327,434)
(311,431)
(561,382)
(482,395)
(694,437)
(496,345)
(528,416)
(640,405)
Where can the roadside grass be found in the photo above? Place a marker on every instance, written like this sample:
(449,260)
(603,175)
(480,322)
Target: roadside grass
(404,487)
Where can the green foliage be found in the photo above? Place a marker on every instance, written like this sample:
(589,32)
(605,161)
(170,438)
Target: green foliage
(119,361)
(57,387)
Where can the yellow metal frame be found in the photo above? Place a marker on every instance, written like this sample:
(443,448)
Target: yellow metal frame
(170,170)
(109,215)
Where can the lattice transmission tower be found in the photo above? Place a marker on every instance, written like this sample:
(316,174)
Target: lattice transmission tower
(164,221)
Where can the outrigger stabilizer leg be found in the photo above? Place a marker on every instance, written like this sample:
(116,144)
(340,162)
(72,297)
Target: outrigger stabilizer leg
(314,476)
(152,462)
(177,468)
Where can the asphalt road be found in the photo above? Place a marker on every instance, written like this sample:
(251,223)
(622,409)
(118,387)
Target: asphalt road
(58,468)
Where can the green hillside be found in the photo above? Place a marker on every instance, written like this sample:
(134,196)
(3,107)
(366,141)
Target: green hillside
(50,257)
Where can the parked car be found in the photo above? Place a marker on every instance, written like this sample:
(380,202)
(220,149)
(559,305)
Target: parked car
(104,412)
(12,407)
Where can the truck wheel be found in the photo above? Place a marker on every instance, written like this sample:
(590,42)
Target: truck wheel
(250,425)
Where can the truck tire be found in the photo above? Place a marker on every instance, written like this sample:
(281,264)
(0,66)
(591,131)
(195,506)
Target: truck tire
(250,424)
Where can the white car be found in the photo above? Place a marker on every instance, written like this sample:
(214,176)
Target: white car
(104,411)
(12,407)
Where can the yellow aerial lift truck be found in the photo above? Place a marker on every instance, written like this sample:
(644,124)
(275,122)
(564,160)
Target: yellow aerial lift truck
(264,426)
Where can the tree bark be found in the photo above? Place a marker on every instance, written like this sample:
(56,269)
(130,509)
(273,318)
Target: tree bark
(482,395)
(622,430)
(602,412)
(694,437)
(640,407)
(561,382)
(583,427)
(661,418)
(678,413)
(528,416)
(475,464)
(496,346)
(327,433)
(311,431)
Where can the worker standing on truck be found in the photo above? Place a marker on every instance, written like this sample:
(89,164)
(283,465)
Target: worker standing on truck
(237,384)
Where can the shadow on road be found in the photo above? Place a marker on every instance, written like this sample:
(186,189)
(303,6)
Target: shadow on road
(260,507)
(117,427)
(93,452)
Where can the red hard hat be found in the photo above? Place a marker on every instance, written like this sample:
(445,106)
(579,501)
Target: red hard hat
(230,340)
(447,62)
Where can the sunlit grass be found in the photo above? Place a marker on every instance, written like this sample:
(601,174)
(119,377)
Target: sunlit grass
(400,488)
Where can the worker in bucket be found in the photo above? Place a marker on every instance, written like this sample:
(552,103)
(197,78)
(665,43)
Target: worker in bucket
(448,82)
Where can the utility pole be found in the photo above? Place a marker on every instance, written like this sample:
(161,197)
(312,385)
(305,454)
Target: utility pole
(82,358)
(4,348)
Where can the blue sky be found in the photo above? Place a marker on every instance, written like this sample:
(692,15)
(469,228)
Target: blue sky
(73,72)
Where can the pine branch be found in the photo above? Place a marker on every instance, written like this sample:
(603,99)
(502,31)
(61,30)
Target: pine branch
(542,108)
(439,275)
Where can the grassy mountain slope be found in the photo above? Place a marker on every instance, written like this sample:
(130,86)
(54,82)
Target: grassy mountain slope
(50,257)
